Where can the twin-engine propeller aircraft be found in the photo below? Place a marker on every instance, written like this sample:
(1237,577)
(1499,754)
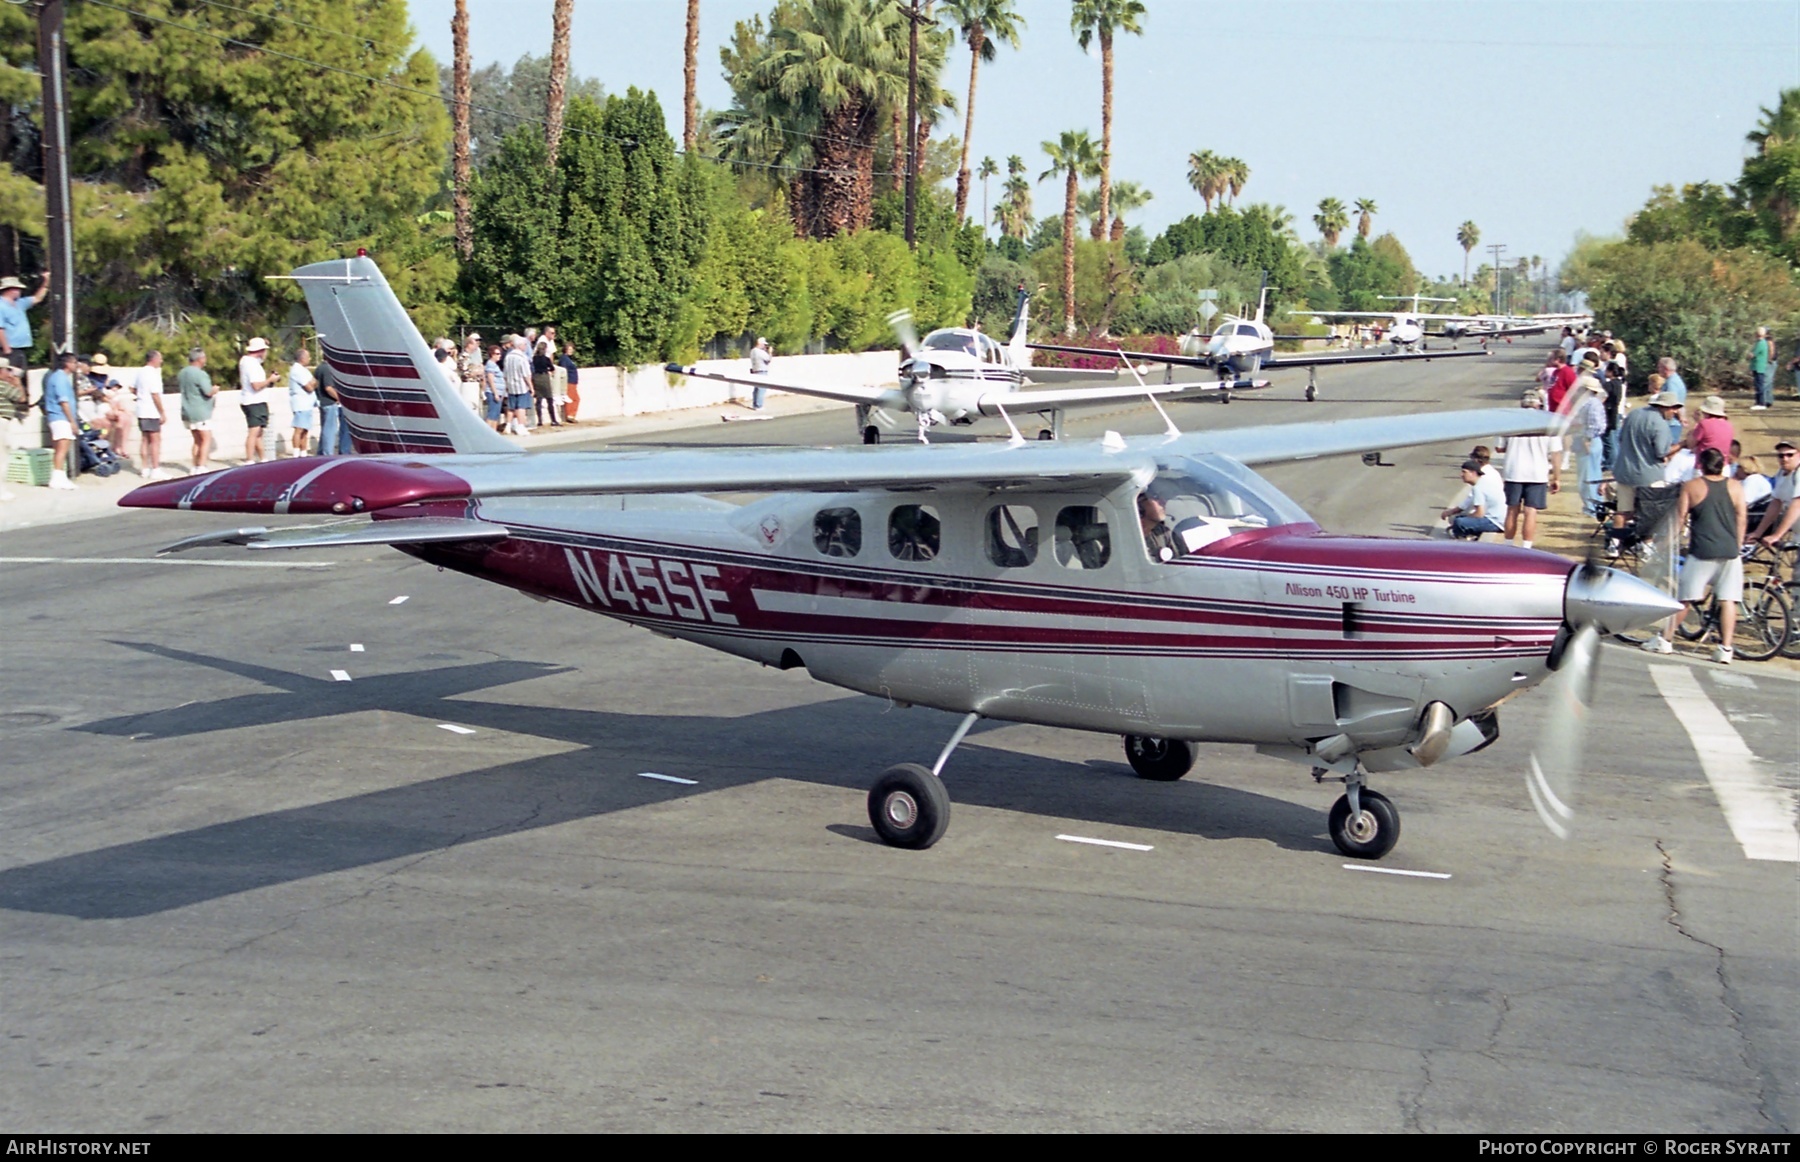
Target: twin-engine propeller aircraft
(1237,350)
(1153,588)
(956,376)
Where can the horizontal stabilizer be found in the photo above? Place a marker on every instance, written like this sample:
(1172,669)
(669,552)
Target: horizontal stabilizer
(405,531)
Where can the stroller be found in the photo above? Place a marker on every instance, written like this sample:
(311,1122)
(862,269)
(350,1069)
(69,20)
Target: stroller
(94,453)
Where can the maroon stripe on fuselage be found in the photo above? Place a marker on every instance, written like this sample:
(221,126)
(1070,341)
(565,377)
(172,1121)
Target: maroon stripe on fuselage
(381,407)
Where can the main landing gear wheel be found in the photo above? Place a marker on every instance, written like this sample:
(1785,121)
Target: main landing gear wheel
(909,807)
(1046,434)
(1162,759)
(1312,392)
(1371,832)
(871,435)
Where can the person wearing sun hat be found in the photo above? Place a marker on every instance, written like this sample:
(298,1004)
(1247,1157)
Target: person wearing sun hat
(1712,430)
(15,328)
(253,385)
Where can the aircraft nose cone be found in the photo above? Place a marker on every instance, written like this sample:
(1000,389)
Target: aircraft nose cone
(1614,602)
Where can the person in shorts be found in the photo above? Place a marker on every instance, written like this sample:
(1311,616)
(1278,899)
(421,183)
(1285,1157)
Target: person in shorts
(1715,504)
(493,391)
(197,395)
(303,398)
(148,390)
(516,367)
(1645,446)
(253,386)
(1530,473)
(60,415)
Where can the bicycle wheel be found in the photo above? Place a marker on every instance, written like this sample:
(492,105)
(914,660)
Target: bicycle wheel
(1697,621)
(1765,620)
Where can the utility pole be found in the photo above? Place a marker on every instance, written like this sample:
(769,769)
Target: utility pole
(1498,250)
(912,124)
(52,68)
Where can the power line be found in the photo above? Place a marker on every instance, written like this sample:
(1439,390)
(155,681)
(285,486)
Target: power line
(439,96)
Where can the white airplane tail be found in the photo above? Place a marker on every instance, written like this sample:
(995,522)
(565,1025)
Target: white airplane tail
(394,395)
(1015,342)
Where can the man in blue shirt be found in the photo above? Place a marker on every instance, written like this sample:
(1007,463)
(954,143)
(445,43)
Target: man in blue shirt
(59,410)
(15,328)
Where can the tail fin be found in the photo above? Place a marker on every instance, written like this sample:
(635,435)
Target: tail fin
(1015,343)
(1262,297)
(394,395)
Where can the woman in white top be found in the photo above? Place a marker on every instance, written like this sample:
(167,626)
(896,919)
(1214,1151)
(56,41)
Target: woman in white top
(303,398)
(149,391)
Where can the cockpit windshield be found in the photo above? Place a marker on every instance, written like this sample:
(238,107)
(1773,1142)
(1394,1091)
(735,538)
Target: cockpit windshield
(1207,498)
(963,341)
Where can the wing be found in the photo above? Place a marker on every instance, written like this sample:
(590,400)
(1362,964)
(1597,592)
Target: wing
(1347,314)
(848,393)
(1278,360)
(1114,353)
(354,484)
(1069,397)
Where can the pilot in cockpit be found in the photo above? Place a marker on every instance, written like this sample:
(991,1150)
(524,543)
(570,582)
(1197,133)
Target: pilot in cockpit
(1159,538)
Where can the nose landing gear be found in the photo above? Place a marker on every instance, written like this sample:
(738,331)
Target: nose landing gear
(1364,824)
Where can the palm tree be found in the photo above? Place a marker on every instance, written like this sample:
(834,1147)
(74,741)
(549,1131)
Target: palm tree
(1075,158)
(1331,220)
(988,169)
(1366,210)
(1205,174)
(984,24)
(1468,236)
(690,64)
(1088,19)
(1235,175)
(559,76)
(1014,212)
(1126,197)
(459,119)
(833,68)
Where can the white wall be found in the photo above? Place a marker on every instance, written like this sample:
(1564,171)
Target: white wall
(606,393)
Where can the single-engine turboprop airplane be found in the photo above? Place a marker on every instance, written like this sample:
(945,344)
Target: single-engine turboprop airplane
(1238,349)
(1154,588)
(956,376)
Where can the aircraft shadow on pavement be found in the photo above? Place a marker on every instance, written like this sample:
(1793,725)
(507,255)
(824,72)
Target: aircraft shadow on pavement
(804,743)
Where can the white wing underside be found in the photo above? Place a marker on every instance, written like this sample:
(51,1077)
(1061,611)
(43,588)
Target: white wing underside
(915,466)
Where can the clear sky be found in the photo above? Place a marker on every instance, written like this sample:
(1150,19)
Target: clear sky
(1535,120)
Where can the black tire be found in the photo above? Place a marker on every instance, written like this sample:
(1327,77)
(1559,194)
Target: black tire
(1765,623)
(1375,831)
(1046,434)
(871,435)
(1225,397)
(1312,393)
(909,807)
(1161,759)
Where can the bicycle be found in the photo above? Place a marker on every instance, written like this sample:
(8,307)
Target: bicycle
(1764,622)
(1639,546)
(1775,562)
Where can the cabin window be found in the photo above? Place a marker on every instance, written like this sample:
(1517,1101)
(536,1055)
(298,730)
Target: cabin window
(1082,538)
(1012,535)
(837,532)
(914,532)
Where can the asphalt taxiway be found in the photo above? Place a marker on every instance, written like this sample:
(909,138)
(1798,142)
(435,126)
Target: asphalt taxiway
(281,851)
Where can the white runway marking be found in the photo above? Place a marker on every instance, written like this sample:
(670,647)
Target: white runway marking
(1396,871)
(166,561)
(454,729)
(1733,678)
(1761,814)
(340,675)
(669,778)
(400,600)
(1106,842)
(356,647)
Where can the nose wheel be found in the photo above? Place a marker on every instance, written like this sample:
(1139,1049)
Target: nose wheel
(1162,759)
(1367,830)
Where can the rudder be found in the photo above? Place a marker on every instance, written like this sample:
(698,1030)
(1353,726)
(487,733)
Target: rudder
(394,397)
